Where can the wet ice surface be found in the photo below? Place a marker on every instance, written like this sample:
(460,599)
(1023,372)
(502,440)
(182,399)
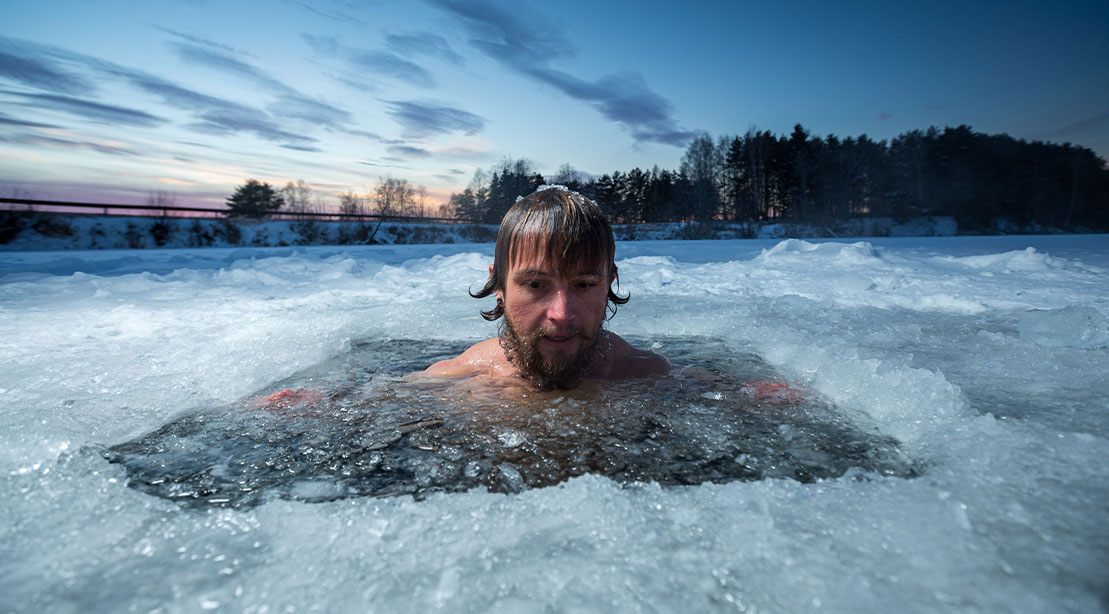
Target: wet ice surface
(983,358)
(722,416)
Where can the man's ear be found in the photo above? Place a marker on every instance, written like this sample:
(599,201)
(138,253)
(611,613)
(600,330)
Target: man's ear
(490,269)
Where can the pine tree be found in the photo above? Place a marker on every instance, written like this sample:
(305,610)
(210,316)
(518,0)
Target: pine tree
(254,199)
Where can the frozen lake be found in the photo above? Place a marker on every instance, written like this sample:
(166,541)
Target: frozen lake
(984,358)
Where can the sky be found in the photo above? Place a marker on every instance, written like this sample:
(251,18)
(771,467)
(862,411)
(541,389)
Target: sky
(115,101)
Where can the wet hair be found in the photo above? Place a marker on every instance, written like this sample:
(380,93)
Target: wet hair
(568,226)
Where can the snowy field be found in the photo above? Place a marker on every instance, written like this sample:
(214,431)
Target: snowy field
(986,357)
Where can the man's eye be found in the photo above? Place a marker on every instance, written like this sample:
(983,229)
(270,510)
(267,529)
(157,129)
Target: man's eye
(534,284)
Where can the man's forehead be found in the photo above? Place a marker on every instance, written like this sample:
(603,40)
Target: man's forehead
(532,254)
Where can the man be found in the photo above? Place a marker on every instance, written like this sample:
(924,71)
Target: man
(552,277)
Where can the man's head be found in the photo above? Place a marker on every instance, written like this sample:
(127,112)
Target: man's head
(552,274)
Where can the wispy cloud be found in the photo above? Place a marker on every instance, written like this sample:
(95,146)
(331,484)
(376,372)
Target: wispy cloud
(95,111)
(244,119)
(7,120)
(42,140)
(1082,127)
(409,151)
(38,67)
(518,44)
(383,63)
(423,43)
(217,115)
(324,45)
(309,110)
(338,16)
(212,115)
(199,40)
(426,118)
(36,74)
(225,62)
(307,148)
(378,63)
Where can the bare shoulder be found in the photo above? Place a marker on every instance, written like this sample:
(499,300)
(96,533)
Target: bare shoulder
(482,357)
(627,361)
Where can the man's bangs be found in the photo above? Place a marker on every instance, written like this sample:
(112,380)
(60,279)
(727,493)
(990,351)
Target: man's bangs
(555,238)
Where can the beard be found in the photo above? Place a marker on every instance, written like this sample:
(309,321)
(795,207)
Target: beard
(523,352)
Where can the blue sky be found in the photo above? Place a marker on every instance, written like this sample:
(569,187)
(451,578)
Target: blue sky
(111,101)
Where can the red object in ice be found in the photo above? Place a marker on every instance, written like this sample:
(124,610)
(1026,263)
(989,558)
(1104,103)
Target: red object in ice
(289,398)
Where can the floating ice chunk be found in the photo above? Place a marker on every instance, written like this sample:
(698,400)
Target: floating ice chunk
(791,250)
(511,438)
(317,489)
(1076,326)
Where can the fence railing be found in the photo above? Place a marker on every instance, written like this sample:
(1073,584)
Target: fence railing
(59,206)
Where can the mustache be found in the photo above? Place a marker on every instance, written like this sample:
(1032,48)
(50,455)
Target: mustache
(572,331)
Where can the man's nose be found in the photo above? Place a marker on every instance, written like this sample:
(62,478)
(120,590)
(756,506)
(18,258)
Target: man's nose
(559,308)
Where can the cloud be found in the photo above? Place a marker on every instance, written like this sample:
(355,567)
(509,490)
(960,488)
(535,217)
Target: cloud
(198,40)
(409,151)
(41,140)
(1082,127)
(425,118)
(520,45)
(885,116)
(379,63)
(90,110)
(244,119)
(43,67)
(338,16)
(388,163)
(37,74)
(224,62)
(324,45)
(423,43)
(7,120)
(392,65)
(307,148)
(220,116)
(214,115)
(306,109)
(368,88)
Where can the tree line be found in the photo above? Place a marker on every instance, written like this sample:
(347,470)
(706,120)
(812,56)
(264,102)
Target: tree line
(760,177)
(391,197)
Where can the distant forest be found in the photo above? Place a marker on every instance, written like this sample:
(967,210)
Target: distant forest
(985,182)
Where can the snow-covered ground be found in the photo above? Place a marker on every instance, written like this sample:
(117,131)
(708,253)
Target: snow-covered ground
(986,358)
(49,232)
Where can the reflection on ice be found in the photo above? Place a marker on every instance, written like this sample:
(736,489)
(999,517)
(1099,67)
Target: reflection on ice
(721,418)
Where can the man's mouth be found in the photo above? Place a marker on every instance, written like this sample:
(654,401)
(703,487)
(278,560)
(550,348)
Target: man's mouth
(562,340)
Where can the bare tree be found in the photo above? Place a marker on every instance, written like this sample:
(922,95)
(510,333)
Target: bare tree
(161,200)
(395,197)
(353,204)
(298,198)
(569,176)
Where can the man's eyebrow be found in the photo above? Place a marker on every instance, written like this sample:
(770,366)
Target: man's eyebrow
(532,273)
(546,273)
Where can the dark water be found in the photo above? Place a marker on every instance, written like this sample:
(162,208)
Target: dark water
(374,431)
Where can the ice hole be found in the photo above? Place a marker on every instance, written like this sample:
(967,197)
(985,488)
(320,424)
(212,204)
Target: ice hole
(366,427)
